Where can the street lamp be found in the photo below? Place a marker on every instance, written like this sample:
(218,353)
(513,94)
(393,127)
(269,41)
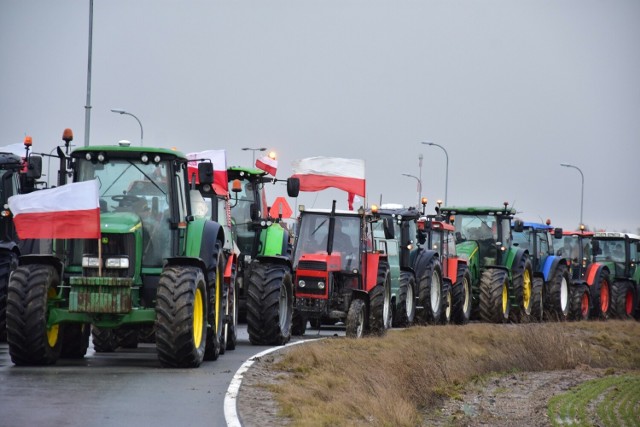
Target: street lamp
(567,165)
(446,178)
(253,150)
(419,185)
(121,111)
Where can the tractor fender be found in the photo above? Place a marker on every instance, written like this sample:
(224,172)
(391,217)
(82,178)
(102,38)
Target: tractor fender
(454,266)
(594,271)
(187,261)
(274,241)
(274,259)
(520,253)
(51,260)
(232,259)
(360,294)
(10,246)
(550,265)
(372,260)
(423,259)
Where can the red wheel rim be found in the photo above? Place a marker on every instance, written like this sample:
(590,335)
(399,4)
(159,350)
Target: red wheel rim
(604,296)
(628,304)
(584,305)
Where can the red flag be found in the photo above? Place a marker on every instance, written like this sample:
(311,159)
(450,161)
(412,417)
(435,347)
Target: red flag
(267,164)
(318,173)
(219,160)
(71,211)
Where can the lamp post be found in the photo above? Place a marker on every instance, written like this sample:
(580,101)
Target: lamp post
(253,151)
(567,165)
(121,111)
(419,185)
(446,178)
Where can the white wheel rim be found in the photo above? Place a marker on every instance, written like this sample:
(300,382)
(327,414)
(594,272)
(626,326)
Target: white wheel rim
(564,295)
(386,310)
(435,292)
(410,301)
(283,307)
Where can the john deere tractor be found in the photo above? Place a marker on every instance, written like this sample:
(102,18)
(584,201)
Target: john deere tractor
(155,263)
(341,271)
(616,257)
(264,273)
(501,273)
(550,271)
(19,175)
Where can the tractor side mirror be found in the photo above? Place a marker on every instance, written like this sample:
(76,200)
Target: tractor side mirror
(518,226)
(205,172)
(293,187)
(557,233)
(389,231)
(34,167)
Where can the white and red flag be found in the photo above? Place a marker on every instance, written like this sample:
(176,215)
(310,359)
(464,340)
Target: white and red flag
(319,173)
(267,164)
(71,211)
(219,160)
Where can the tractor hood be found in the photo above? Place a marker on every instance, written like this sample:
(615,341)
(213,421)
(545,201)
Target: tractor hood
(467,250)
(119,222)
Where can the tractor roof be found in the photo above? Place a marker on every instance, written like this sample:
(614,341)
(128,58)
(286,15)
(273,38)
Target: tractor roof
(10,160)
(237,172)
(578,233)
(535,225)
(477,210)
(615,235)
(127,151)
(328,211)
(405,213)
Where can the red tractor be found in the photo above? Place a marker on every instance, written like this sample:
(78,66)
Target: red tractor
(339,274)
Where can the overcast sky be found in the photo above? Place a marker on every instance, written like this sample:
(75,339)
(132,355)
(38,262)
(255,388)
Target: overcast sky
(511,89)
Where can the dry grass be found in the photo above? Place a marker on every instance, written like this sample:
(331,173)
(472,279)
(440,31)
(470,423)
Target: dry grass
(387,381)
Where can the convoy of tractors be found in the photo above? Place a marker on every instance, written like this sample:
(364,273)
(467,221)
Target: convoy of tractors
(179,264)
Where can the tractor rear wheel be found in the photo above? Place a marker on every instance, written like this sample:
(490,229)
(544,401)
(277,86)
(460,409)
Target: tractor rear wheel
(356,319)
(406,311)
(215,343)
(181,317)
(429,292)
(537,299)
(31,342)
(601,296)
(494,296)
(622,300)
(461,296)
(75,340)
(269,304)
(380,302)
(127,336)
(231,314)
(8,263)
(557,297)
(104,340)
(522,282)
(580,302)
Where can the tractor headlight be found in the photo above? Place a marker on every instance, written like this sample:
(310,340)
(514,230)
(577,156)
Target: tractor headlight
(321,285)
(117,263)
(90,262)
(302,283)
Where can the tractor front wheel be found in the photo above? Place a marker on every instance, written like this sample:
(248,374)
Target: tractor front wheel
(355,324)
(269,304)
(601,296)
(75,340)
(580,303)
(537,300)
(31,342)
(8,263)
(380,315)
(557,297)
(622,300)
(429,292)
(406,311)
(494,296)
(181,317)
(461,296)
(522,289)
(216,344)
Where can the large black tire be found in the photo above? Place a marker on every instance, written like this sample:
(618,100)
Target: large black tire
(215,343)
(356,316)
(269,304)
(104,340)
(380,315)
(231,312)
(30,341)
(580,305)
(557,304)
(429,292)
(623,300)
(406,307)
(8,263)
(537,301)
(494,296)
(601,296)
(127,336)
(461,298)
(75,340)
(522,284)
(181,317)
(298,324)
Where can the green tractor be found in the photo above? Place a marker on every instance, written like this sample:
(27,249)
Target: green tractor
(616,257)
(264,273)
(19,175)
(501,273)
(154,265)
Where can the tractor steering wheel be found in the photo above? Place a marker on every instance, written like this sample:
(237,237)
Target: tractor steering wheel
(126,200)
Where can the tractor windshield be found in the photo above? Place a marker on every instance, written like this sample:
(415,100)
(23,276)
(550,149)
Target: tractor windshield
(314,234)
(611,250)
(242,202)
(476,227)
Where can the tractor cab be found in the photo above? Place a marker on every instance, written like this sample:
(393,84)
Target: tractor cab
(620,251)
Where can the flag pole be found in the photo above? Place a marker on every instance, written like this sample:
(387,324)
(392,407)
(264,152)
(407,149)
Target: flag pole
(99,258)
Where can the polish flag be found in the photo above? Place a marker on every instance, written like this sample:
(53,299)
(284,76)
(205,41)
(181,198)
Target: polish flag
(219,160)
(267,164)
(71,211)
(318,173)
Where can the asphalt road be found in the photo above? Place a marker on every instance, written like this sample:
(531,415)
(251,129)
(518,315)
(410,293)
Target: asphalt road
(124,388)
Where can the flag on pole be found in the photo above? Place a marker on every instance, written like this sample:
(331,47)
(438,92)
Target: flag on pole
(267,164)
(319,173)
(71,211)
(219,160)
